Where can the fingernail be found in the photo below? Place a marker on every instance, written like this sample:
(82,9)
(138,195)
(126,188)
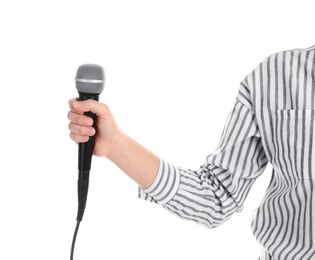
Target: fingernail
(91,131)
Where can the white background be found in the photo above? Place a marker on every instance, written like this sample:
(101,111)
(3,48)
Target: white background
(172,73)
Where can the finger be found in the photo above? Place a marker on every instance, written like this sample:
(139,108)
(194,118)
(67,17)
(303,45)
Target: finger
(81,130)
(70,103)
(91,105)
(80,119)
(79,138)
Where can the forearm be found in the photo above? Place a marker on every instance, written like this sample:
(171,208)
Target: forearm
(136,161)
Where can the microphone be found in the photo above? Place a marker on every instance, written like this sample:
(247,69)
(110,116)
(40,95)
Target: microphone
(89,82)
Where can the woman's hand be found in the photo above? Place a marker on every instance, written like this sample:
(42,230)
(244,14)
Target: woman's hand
(136,161)
(80,126)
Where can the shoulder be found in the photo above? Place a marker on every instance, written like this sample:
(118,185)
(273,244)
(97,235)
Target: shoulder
(280,60)
(287,57)
(291,51)
(276,67)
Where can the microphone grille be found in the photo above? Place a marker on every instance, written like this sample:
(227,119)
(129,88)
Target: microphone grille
(90,79)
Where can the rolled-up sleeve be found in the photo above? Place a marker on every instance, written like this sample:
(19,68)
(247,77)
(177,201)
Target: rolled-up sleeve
(165,185)
(211,194)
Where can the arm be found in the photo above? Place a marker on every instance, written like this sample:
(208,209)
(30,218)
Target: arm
(136,161)
(208,196)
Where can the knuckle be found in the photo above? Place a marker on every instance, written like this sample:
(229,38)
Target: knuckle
(69,115)
(105,106)
(71,135)
(70,103)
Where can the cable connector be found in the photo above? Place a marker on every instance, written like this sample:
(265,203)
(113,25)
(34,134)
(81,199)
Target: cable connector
(83,186)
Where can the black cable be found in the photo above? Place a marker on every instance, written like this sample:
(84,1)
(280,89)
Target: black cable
(74,239)
(83,186)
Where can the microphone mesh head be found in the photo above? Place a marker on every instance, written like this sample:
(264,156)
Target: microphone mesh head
(90,79)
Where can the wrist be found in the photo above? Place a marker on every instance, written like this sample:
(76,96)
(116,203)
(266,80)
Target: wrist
(116,146)
(136,161)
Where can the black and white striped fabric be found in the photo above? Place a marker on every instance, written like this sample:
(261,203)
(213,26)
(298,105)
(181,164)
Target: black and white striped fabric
(272,121)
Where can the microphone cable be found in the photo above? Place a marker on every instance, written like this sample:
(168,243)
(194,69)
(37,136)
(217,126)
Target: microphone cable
(74,239)
(83,186)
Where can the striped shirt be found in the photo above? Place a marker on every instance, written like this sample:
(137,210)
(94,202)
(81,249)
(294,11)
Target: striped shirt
(272,121)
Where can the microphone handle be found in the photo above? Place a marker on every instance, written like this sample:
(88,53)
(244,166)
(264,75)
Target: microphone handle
(84,160)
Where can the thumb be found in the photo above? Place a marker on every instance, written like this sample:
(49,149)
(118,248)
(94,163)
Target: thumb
(90,105)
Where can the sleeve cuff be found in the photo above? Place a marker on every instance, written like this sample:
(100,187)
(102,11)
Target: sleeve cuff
(165,185)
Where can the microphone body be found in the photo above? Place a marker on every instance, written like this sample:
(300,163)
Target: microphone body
(89,83)
(85,153)
(86,149)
